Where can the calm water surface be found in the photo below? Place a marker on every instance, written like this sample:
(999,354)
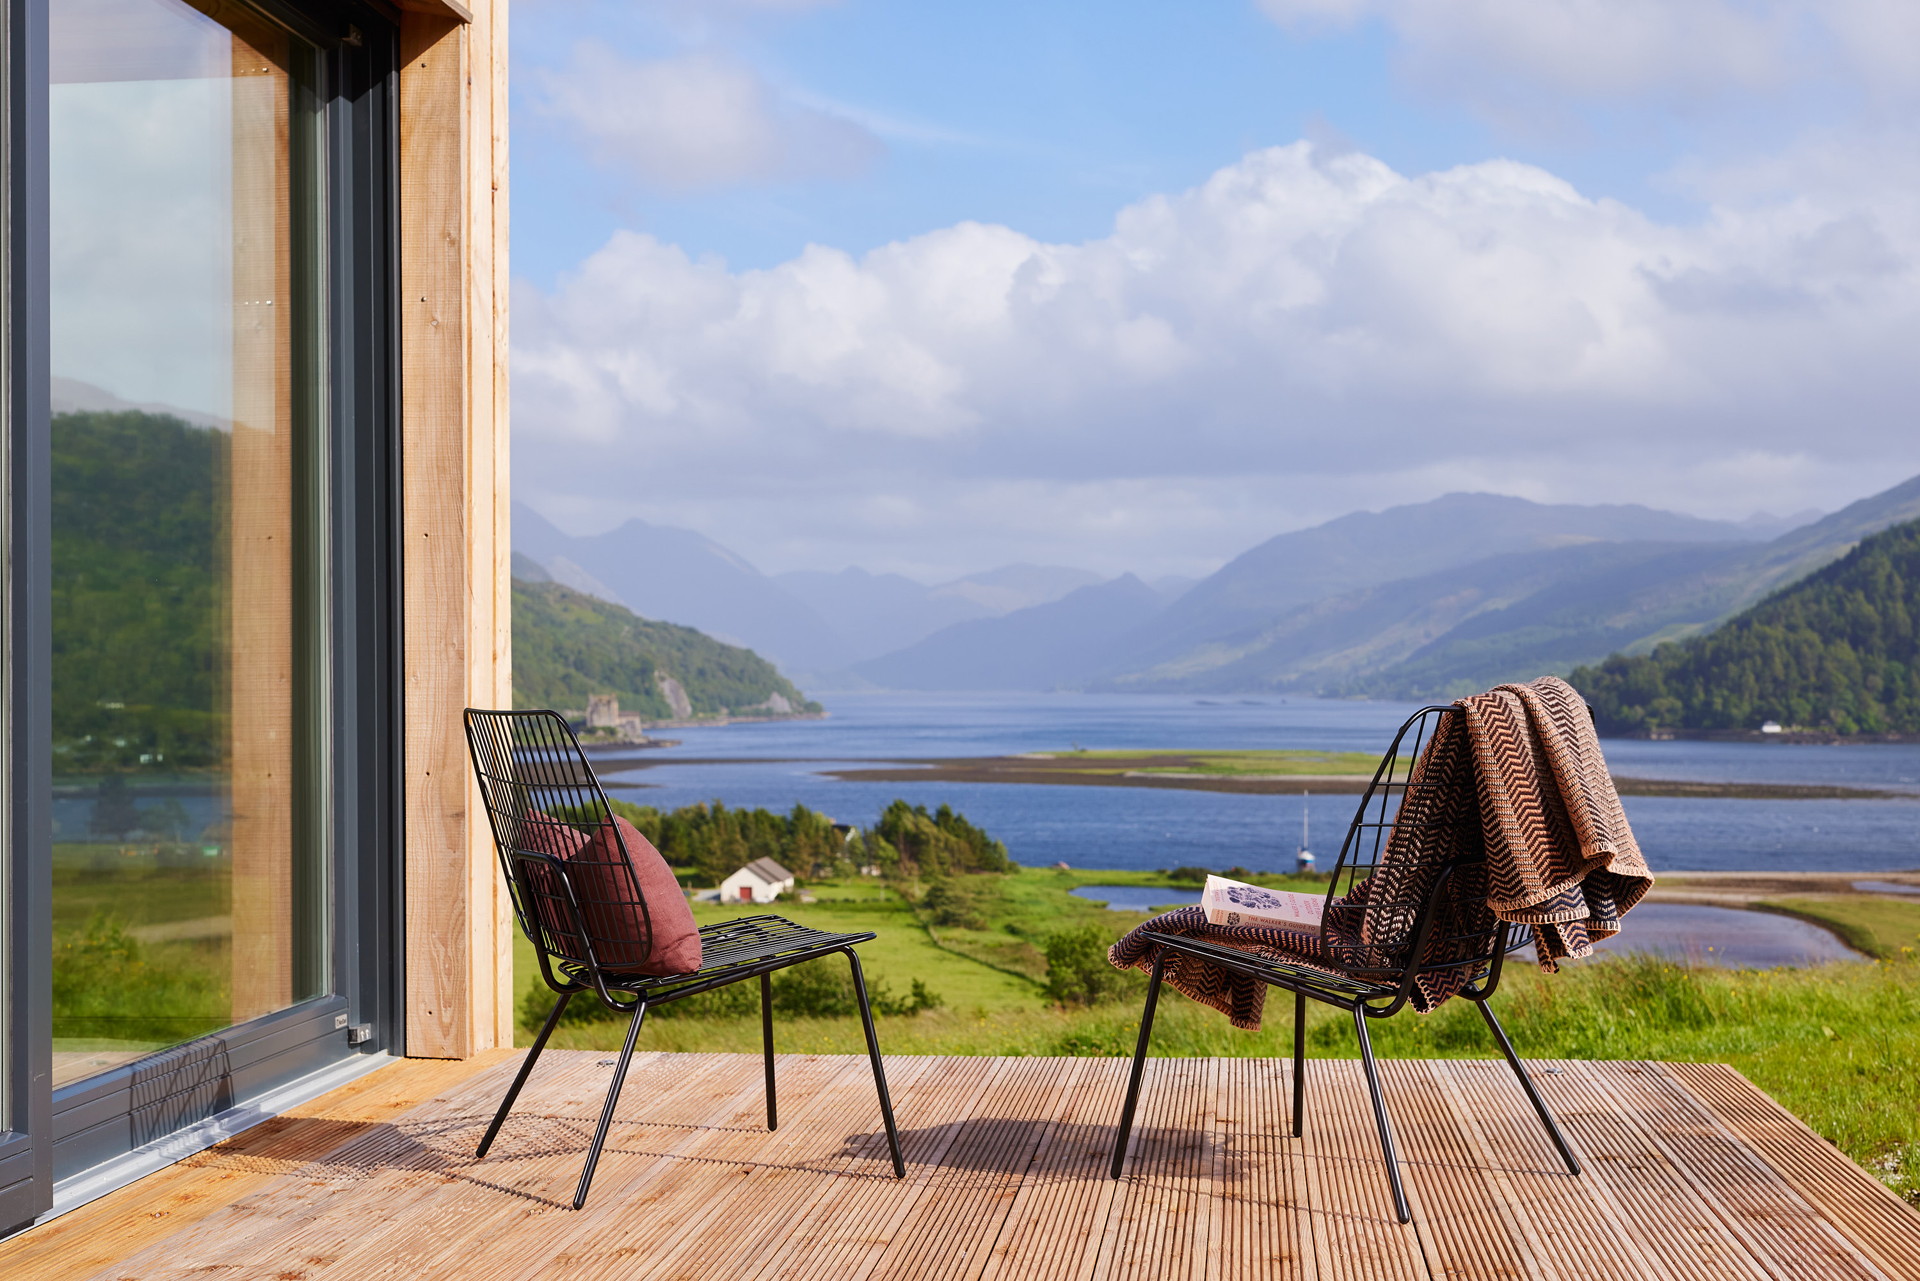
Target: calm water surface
(1138,828)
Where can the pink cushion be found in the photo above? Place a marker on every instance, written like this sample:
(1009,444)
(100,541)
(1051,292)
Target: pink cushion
(613,917)
(543,834)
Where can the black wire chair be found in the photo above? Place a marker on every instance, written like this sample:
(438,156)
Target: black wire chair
(577,900)
(1417,932)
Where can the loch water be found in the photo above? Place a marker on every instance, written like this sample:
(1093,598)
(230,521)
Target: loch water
(776,764)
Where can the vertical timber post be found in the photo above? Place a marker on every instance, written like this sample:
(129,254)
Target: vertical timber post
(456,560)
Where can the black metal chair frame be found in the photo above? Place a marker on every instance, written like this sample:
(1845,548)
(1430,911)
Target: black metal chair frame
(520,757)
(1365,993)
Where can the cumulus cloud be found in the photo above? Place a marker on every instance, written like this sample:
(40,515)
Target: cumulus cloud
(1302,334)
(696,120)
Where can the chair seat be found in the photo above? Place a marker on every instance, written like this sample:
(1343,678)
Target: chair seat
(1290,969)
(729,951)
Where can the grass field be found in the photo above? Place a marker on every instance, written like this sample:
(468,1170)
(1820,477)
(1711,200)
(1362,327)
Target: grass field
(1839,1045)
(1236,764)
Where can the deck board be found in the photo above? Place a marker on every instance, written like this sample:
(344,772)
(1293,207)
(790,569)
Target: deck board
(1691,1174)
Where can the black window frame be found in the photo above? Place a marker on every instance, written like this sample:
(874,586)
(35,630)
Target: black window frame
(57,1134)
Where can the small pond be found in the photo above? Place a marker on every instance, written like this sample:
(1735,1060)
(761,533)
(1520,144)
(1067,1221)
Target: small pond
(1885,887)
(1136,898)
(1724,936)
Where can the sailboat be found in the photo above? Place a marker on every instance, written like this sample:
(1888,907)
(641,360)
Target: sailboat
(1303,862)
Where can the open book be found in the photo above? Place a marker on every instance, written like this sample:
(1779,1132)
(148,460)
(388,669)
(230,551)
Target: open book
(1237,903)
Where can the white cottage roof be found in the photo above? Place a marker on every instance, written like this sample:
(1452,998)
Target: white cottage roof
(767,872)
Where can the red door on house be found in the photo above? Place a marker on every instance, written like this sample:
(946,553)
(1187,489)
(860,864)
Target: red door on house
(746,893)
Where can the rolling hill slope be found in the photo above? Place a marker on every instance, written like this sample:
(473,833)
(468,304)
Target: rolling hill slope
(568,645)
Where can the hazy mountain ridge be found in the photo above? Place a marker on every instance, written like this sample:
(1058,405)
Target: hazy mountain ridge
(1418,601)
(1366,549)
(1041,647)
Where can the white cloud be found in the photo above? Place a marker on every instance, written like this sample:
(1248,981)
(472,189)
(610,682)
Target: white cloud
(1298,336)
(696,120)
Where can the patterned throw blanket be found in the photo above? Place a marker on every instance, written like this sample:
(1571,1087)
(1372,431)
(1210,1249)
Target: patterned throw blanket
(1560,859)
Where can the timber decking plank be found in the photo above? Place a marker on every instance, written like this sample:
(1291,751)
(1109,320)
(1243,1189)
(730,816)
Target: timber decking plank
(955,1223)
(1260,1230)
(1471,1228)
(1651,1210)
(1560,1219)
(259,1210)
(666,1112)
(1154,1211)
(1691,1175)
(95,1236)
(846,1230)
(340,1207)
(1053,1229)
(1886,1228)
(670,1217)
(1758,1206)
(1354,1205)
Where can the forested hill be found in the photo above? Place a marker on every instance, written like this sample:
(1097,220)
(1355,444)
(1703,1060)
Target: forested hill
(1837,651)
(567,645)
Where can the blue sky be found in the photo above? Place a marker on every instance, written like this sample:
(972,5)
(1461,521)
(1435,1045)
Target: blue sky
(1634,252)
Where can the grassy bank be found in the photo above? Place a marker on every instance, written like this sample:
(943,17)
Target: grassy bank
(1839,1045)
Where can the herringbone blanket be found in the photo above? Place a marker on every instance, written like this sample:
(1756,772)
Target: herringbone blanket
(1559,859)
(1560,856)
(1238,996)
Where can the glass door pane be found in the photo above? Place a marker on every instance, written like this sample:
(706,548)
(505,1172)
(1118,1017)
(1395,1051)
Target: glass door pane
(189,849)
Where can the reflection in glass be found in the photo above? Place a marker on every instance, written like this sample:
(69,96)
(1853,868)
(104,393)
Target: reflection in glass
(188,853)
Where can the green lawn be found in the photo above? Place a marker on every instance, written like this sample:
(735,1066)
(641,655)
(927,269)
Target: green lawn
(1230,764)
(1881,927)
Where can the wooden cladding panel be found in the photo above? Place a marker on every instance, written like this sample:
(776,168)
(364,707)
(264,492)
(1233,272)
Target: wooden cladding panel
(456,594)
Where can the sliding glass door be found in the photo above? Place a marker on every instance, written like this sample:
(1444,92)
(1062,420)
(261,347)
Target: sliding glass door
(201,849)
(188,536)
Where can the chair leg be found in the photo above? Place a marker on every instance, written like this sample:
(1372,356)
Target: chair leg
(766,1036)
(526,1070)
(873,1056)
(1299,1062)
(1380,1116)
(1526,1083)
(1139,1067)
(606,1113)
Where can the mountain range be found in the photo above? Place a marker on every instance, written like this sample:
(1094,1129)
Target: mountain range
(1422,600)
(809,624)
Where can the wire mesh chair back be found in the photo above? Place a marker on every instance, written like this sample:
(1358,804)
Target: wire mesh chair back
(1416,831)
(571,875)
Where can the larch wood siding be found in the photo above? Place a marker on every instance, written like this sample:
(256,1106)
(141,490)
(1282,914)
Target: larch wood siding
(456,562)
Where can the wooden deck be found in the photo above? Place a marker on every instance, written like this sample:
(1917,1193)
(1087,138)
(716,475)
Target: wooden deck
(1691,1173)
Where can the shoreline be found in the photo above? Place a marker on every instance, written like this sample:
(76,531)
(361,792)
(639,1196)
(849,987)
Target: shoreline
(1066,771)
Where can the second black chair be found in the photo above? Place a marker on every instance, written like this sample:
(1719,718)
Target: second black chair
(1412,874)
(579,899)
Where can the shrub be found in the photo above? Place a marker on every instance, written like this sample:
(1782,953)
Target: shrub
(1078,972)
(952,906)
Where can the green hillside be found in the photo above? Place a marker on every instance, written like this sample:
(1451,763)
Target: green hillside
(567,645)
(1837,651)
(138,599)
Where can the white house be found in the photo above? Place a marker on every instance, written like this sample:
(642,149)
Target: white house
(758,882)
